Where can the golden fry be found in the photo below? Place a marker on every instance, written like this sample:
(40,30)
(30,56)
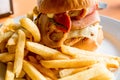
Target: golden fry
(106,76)
(32,28)
(6,57)
(70,71)
(12,40)
(32,72)
(47,78)
(3,47)
(5,25)
(11,44)
(95,70)
(72,63)
(45,71)
(111,61)
(22,74)
(45,52)
(5,36)
(29,36)
(74,52)
(14,27)
(19,53)
(9,72)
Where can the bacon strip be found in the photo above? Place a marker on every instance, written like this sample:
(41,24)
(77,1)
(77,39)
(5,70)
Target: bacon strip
(64,20)
(86,21)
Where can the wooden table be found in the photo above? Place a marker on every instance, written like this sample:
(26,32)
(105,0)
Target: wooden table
(21,7)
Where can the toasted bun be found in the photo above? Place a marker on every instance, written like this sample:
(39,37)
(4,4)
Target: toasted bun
(58,6)
(88,44)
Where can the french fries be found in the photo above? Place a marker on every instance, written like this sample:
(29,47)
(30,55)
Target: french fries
(74,52)
(5,36)
(3,46)
(9,72)
(45,71)
(22,74)
(69,71)
(6,57)
(95,70)
(14,26)
(111,61)
(28,59)
(19,53)
(11,44)
(5,26)
(32,71)
(45,52)
(32,28)
(72,63)
(12,40)
(5,33)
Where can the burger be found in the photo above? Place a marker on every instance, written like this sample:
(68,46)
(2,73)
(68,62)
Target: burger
(69,22)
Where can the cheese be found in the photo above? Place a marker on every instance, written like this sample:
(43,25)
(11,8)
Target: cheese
(50,15)
(88,32)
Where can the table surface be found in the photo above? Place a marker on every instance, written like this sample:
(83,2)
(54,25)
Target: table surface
(21,7)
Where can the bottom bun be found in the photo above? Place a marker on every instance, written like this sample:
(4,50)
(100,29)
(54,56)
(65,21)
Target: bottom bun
(89,44)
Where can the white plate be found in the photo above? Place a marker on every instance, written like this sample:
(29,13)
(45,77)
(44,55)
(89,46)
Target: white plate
(110,45)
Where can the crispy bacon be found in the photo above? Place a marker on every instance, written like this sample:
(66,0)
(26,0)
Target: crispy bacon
(86,21)
(63,19)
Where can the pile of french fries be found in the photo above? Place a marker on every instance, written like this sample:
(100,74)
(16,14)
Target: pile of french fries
(27,59)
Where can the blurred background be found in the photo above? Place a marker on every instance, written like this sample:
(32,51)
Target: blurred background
(112,10)
(21,7)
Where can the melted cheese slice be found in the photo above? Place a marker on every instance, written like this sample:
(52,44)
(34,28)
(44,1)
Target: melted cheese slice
(88,32)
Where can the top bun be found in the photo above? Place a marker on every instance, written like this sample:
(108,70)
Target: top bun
(59,6)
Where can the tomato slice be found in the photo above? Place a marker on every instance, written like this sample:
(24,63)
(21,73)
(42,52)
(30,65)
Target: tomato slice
(63,21)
